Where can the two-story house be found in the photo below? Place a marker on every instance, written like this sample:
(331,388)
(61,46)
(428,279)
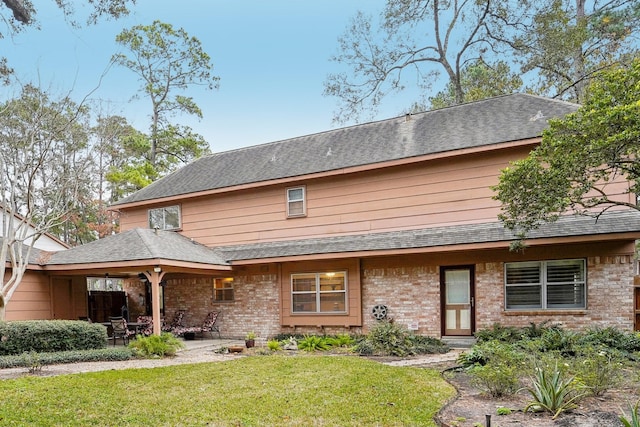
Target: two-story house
(395,218)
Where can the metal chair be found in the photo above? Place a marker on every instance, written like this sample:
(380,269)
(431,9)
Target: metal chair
(120,330)
(176,323)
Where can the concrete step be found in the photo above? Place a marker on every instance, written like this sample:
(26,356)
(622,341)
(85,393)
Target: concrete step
(459,342)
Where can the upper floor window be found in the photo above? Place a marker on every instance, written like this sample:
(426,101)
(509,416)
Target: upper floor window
(319,292)
(223,289)
(544,285)
(296,203)
(166,218)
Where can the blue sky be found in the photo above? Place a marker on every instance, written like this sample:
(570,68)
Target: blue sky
(272,58)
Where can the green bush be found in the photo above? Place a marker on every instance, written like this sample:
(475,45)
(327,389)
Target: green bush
(496,351)
(626,342)
(313,343)
(75,356)
(557,339)
(428,345)
(598,369)
(496,378)
(18,337)
(499,332)
(388,338)
(494,367)
(156,346)
(274,345)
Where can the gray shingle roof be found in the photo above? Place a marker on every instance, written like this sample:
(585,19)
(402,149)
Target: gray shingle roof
(495,120)
(137,245)
(612,222)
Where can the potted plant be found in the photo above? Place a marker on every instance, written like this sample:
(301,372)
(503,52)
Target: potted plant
(250,339)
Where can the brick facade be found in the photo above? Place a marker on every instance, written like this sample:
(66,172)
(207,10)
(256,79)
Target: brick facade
(412,294)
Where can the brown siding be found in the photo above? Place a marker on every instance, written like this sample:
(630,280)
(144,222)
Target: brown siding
(32,299)
(436,193)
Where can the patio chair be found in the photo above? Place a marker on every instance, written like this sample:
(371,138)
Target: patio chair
(176,323)
(145,325)
(209,325)
(120,330)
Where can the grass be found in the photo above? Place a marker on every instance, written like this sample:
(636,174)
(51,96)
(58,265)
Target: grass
(251,391)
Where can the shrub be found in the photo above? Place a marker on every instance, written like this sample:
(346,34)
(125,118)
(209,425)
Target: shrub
(75,356)
(498,379)
(626,342)
(274,345)
(428,345)
(17,337)
(156,346)
(498,332)
(388,338)
(313,343)
(598,370)
(495,368)
(496,351)
(341,340)
(557,339)
(32,361)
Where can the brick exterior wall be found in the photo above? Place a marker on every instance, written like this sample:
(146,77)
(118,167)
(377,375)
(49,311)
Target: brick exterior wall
(255,306)
(412,294)
(609,298)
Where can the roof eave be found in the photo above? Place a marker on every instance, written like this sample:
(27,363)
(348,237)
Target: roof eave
(502,244)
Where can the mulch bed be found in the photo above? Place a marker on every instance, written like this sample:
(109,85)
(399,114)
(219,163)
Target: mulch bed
(471,407)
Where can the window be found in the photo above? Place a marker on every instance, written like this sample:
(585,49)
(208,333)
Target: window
(109,284)
(319,292)
(167,218)
(552,285)
(223,289)
(296,205)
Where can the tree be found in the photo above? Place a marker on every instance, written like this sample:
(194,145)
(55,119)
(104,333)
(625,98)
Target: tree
(580,156)
(42,172)
(562,44)
(166,61)
(425,37)
(479,80)
(23,15)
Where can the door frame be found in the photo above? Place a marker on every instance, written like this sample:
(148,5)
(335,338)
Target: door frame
(472,295)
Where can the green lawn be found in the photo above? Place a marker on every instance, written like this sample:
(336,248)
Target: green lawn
(251,391)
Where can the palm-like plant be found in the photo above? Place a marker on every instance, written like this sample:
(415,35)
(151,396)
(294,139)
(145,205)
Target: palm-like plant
(635,418)
(553,393)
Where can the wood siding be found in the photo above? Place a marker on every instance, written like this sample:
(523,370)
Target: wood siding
(440,192)
(32,299)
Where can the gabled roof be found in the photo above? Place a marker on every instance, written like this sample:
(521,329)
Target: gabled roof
(491,121)
(441,237)
(139,245)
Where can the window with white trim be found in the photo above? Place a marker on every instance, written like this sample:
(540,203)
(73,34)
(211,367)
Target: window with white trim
(223,289)
(546,285)
(296,203)
(319,292)
(165,218)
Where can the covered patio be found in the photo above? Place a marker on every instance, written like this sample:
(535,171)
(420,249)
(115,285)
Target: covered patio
(153,255)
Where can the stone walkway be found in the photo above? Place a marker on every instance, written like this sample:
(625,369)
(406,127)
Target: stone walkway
(196,351)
